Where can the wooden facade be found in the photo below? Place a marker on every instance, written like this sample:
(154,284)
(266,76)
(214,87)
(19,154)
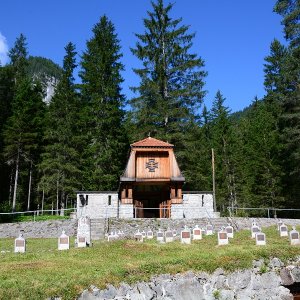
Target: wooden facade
(152,180)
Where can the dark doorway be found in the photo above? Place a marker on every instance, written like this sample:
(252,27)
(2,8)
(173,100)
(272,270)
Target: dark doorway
(151,201)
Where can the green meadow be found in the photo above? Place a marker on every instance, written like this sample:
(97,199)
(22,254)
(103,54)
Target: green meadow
(43,271)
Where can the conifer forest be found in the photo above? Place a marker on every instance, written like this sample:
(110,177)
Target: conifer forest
(80,139)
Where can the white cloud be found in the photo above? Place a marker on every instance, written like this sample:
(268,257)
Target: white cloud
(3,50)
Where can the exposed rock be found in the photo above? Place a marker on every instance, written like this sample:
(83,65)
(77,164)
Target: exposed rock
(243,285)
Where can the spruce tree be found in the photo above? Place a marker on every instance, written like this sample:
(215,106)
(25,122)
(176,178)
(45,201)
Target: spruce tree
(60,159)
(105,140)
(24,128)
(171,78)
(290,118)
(223,145)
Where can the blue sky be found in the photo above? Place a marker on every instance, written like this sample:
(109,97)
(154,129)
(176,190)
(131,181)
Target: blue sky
(232,36)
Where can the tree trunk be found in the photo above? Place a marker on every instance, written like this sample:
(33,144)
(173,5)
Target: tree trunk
(43,199)
(16,182)
(29,186)
(57,197)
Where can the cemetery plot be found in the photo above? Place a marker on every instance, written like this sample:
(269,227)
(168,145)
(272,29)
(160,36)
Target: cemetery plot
(81,242)
(63,242)
(254,230)
(209,230)
(185,236)
(283,230)
(222,238)
(260,239)
(294,237)
(169,236)
(197,233)
(160,236)
(229,230)
(20,244)
(139,237)
(149,234)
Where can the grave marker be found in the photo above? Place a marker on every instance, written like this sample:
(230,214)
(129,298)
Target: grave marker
(169,236)
(174,232)
(185,236)
(294,236)
(260,239)
(279,223)
(20,244)
(283,230)
(197,233)
(84,229)
(63,242)
(254,230)
(229,230)
(209,229)
(160,236)
(81,242)
(222,237)
(139,237)
(149,234)
(144,234)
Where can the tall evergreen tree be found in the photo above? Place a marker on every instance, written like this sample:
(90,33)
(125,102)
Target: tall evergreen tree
(223,145)
(106,142)
(171,79)
(60,159)
(290,118)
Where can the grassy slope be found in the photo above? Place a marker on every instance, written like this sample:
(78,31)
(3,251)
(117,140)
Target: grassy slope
(44,271)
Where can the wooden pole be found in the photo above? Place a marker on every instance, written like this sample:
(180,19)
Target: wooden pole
(213,176)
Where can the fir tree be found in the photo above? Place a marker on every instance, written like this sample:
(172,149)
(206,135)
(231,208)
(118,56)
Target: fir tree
(171,86)
(290,118)
(101,91)
(60,163)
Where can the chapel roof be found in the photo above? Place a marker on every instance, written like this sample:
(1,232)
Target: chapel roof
(151,142)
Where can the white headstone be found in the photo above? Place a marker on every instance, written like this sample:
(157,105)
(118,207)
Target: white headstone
(160,236)
(185,236)
(229,230)
(283,230)
(112,236)
(138,236)
(144,234)
(279,223)
(209,229)
(81,241)
(20,244)
(294,237)
(254,230)
(260,239)
(222,237)
(84,229)
(169,236)
(149,234)
(174,232)
(63,242)
(197,233)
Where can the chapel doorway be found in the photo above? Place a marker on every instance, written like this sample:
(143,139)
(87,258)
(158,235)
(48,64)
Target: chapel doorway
(151,201)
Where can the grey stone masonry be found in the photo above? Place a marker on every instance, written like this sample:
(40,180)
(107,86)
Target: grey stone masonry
(107,205)
(99,205)
(42,229)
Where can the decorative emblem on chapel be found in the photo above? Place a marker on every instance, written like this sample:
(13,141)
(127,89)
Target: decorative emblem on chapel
(151,165)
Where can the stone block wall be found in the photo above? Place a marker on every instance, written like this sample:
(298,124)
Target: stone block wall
(42,229)
(100,205)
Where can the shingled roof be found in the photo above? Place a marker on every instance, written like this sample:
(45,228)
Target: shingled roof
(151,142)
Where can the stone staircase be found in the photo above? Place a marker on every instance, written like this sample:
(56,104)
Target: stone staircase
(98,228)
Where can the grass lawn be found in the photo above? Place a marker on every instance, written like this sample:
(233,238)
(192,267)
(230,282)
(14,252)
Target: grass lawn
(43,271)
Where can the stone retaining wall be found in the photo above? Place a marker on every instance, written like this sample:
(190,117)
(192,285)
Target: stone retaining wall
(41,229)
(270,282)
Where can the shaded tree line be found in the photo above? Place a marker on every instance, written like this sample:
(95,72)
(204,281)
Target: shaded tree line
(80,140)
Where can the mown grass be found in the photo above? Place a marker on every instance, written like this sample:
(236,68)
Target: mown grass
(43,271)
